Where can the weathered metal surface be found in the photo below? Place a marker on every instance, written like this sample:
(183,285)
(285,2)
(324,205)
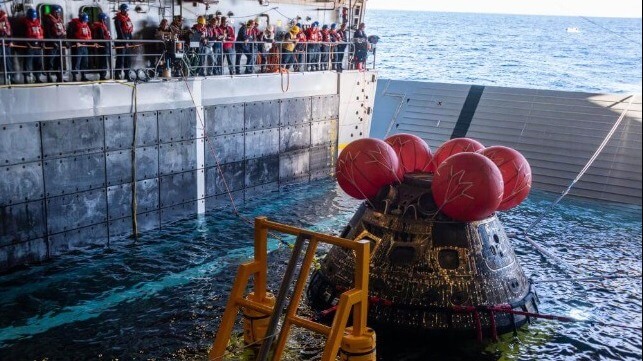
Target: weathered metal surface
(321,158)
(262,115)
(147,162)
(325,107)
(222,201)
(323,132)
(224,119)
(294,165)
(262,171)
(95,235)
(76,210)
(296,111)
(178,212)
(121,228)
(119,131)
(69,137)
(228,148)
(24,252)
(118,165)
(177,189)
(19,143)
(22,222)
(119,198)
(294,137)
(177,157)
(147,132)
(21,183)
(177,125)
(262,143)
(230,178)
(74,174)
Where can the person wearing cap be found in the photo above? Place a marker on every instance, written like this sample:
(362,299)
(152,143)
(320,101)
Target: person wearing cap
(314,46)
(54,28)
(267,42)
(35,34)
(335,38)
(325,47)
(228,37)
(200,29)
(300,50)
(6,57)
(100,31)
(340,52)
(361,47)
(124,32)
(215,38)
(290,42)
(245,46)
(79,30)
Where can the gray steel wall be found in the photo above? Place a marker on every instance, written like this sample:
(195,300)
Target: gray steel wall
(67,183)
(558,132)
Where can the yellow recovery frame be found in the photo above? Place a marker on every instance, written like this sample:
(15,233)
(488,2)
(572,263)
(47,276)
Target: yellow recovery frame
(357,338)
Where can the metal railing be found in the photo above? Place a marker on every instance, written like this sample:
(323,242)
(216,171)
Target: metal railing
(66,60)
(354,301)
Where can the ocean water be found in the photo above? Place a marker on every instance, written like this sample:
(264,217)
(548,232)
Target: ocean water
(604,56)
(161,298)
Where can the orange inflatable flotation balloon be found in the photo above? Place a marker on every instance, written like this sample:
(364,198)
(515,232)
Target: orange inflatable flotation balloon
(367,165)
(413,152)
(454,146)
(468,187)
(516,174)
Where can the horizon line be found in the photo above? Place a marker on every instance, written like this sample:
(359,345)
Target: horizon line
(503,13)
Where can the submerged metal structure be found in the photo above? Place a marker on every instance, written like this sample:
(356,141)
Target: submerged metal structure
(428,273)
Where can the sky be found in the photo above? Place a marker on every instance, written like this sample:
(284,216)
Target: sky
(593,8)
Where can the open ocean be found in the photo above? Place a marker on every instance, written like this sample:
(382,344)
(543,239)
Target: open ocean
(509,50)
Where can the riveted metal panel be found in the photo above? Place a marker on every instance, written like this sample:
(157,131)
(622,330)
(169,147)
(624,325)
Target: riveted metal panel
(119,198)
(119,131)
(321,158)
(176,125)
(294,165)
(296,111)
(77,136)
(147,162)
(21,253)
(178,189)
(222,201)
(262,171)
(323,132)
(94,235)
(262,115)
(325,107)
(147,132)
(294,137)
(74,174)
(224,119)
(76,210)
(119,167)
(19,143)
(262,143)
(121,228)
(177,157)
(22,222)
(21,183)
(233,179)
(228,148)
(262,190)
(178,212)
(292,181)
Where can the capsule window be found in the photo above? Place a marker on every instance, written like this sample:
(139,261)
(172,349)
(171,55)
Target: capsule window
(449,259)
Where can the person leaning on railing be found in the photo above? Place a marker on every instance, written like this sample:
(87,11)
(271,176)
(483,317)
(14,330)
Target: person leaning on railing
(300,50)
(215,38)
(79,30)
(6,57)
(34,32)
(124,31)
(103,49)
(245,47)
(228,37)
(325,47)
(54,29)
(267,42)
(313,37)
(290,42)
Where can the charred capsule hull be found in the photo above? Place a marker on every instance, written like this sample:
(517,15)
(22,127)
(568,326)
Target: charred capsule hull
(428,273)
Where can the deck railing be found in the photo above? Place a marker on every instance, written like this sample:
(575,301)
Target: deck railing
(24,61)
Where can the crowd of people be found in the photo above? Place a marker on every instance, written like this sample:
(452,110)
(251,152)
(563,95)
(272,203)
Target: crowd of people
(218,46)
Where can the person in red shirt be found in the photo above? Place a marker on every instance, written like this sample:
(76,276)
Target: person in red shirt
(300,50)
(335,37)
(6,58)
(215,36)
(33,57)
(104,52)
(228,37)
(325,47)
(79,30)
(314,46)
(54,28)
(124,31)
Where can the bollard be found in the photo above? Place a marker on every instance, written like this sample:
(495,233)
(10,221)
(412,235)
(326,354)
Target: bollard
(358,348)
(255,323)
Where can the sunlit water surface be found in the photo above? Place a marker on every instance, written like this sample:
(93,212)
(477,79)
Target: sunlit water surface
(162,297)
